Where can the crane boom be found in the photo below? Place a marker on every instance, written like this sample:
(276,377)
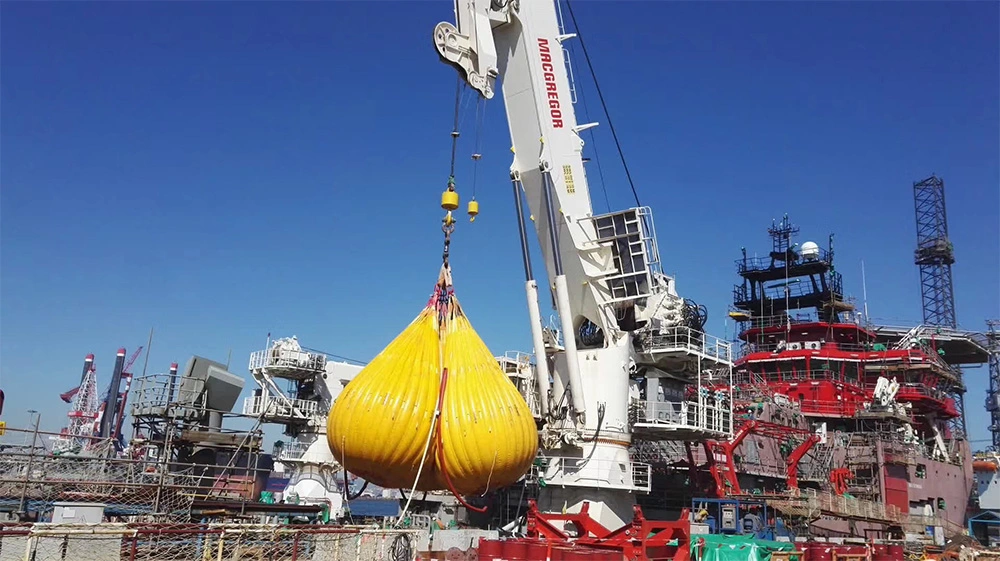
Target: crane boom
(526,47)
(603,270)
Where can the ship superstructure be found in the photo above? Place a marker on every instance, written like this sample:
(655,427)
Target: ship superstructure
(827,404)
(838,427)
(311,381)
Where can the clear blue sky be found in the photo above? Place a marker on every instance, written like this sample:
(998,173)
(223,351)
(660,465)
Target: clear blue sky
(221,170)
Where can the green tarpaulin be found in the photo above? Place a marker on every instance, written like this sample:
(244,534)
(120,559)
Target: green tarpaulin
(719,547)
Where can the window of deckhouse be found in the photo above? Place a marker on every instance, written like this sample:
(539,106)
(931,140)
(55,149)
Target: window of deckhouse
(800,367)
(786,370)
(769,371)
(824,369)
(851,372)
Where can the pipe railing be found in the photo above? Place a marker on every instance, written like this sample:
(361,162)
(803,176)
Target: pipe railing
(708,416)
(561,470)
(685,339)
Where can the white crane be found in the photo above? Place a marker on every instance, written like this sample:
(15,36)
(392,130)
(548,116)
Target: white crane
(604,270)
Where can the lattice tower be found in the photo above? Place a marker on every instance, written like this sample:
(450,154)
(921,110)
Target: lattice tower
(82,415)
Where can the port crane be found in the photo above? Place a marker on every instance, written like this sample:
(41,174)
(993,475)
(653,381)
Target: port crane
(603,270)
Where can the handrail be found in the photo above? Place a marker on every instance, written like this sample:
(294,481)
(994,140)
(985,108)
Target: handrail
(818,502)
(749,377)
(290,359)
(292,451)
(745,264)
(271,406)
(687,339)
(561,470)
(685,414)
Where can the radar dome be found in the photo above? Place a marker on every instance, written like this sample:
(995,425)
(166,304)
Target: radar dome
(810,251)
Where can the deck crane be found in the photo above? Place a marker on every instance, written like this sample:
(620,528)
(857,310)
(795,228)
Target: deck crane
(604,270)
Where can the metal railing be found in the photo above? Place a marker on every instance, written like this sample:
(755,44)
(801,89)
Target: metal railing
(873,355)
(752,347)
(167,395)
(922,331)
(274,407)
(184,542)
(155,487)
(688,340)
(908,392)
(794,289)
(710,417)
(516,361)
(560,470)
(764,263)
(758,320)
(287,359)
(747,377)
(292,451)
(818,503)
(520,370)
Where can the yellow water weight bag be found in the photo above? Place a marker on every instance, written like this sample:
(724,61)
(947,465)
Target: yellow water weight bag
(434,404)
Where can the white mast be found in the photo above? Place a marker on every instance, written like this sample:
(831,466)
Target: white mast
(864,290)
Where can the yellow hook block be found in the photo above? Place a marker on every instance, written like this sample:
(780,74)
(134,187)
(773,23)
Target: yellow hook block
(473,210)
(449,200)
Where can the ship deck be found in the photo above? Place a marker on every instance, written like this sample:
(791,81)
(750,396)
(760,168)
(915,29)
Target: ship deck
(812,505)
(959,346)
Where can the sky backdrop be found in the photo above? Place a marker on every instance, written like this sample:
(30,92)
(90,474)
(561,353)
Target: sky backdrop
(218,171)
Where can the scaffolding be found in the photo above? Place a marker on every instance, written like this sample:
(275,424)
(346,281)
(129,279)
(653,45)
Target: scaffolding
(133,486)
(935,255)
(811,505)
(223,542)
(33,479)
(82,415)
(993,395)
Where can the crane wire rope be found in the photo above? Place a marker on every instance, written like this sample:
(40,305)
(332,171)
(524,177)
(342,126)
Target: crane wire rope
(442,289)
(593,140)
(448,222)
(336,356)
(477,144)
(454,131)
(604,106)
(443,292)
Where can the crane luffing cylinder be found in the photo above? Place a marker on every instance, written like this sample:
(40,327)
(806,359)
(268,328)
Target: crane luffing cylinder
(434,401)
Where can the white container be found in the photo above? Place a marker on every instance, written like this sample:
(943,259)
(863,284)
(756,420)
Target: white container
(77,513)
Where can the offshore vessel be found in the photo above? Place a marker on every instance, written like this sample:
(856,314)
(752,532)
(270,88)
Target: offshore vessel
(827,404)
(837,427)
(827,423)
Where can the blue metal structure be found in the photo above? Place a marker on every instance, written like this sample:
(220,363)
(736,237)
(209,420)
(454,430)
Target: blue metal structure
(739,517)
(983,522)
(993,395)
